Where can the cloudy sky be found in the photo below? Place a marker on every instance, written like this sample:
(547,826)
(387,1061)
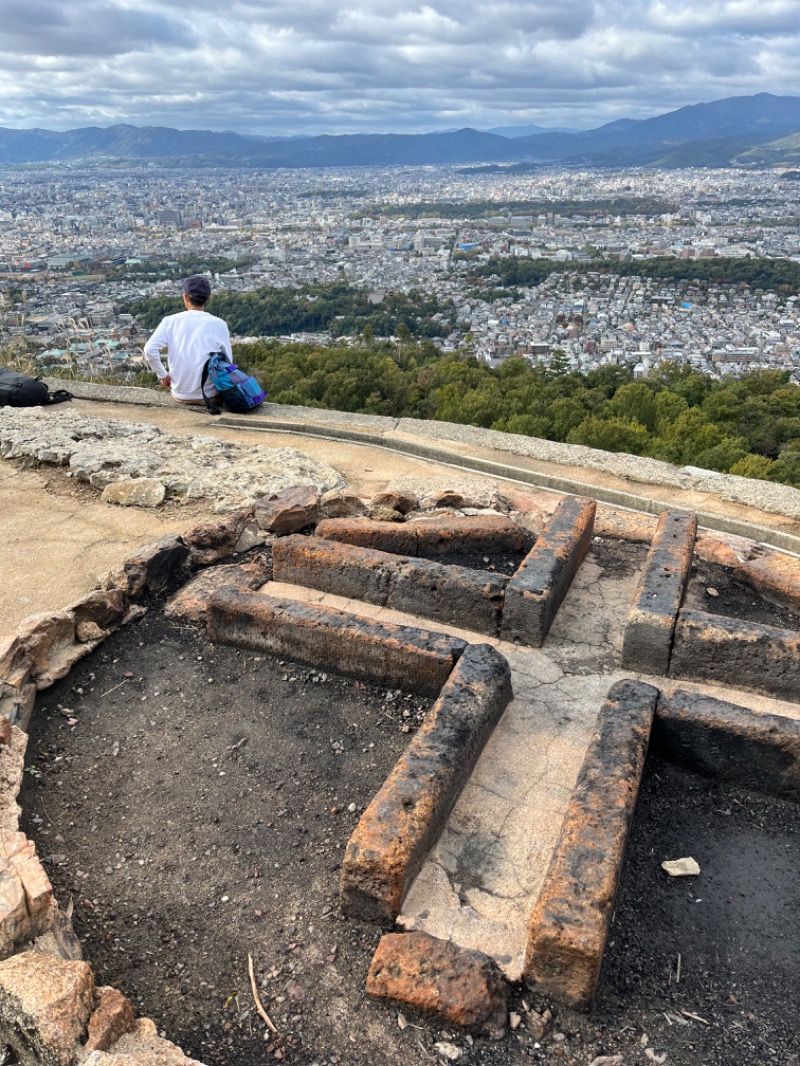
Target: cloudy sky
(316,66)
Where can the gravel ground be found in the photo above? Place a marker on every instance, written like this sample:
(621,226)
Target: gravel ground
(195,801)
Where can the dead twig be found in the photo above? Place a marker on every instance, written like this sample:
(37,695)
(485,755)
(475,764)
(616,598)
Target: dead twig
(114,689)
(425,1051)
(694,1017)
(256,998)
(678,970)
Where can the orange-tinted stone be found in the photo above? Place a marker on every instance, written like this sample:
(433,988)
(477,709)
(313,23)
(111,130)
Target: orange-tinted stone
(112,1018)
(647,644)
(414,659)
(437,977)
(404,820)
(569,925)
(536,590)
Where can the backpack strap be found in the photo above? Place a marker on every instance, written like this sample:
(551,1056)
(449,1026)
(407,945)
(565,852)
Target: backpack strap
(59,396)
(210,407)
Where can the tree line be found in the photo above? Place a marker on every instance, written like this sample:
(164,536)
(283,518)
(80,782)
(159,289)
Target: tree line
(776,275)
(336,307)
(748,426)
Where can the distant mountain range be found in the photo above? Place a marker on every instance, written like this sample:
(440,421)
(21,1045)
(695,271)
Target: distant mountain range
(747,130)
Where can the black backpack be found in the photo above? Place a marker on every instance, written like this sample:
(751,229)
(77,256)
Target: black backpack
(21,390)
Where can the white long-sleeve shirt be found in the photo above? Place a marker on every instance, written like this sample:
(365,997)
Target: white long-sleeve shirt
(189,338)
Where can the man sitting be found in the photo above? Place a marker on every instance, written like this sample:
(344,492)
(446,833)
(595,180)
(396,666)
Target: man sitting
(189,338)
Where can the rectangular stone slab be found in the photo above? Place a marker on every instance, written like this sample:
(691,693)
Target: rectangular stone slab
(434,538)
(472,535)
(342,569)
(456,595)
(404,820)
(728,742)
(414,659)
(394,537)
(569,924)
(536,590)
(647,644)
(710,647)
(437,977)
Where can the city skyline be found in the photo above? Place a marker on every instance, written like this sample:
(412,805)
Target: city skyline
(272,69)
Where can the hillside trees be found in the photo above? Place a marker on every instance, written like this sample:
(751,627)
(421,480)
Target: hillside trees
(750,426)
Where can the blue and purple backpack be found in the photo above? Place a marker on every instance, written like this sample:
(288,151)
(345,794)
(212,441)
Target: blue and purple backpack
(238,392)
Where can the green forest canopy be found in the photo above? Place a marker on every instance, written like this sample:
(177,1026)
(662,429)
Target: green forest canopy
(335,307)
(777,275)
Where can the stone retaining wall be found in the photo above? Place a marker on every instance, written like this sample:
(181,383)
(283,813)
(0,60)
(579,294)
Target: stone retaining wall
(711,647)
(536,590)
(729,743)
(651,622)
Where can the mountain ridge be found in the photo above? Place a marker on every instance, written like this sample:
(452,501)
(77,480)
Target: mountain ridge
(751,130)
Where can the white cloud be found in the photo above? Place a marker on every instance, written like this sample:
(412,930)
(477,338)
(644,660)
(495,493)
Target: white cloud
(270,66)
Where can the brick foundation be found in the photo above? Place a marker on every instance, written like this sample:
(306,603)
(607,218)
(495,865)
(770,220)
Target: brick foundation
(647,645)
(569,924)
(536,590)
(404,820)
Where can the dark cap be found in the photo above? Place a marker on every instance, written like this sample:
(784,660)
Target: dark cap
(197,288)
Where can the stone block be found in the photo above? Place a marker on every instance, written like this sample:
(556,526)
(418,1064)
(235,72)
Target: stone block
(397,538)
(413,659)
(400,501)
(456,595)
(98,614)
(384,514)
(49,640)
(18,858)
(341,503)
(46,636)
(12,766)
(729,743)
(647,644)
(570,921)
(45,1005)
(16,704)
(15,923)
(191,602)
(341,569)
(154,566)
(142,1046)
(212,541)
(250,537)
(135,492)
(112,1018)
(288,511)
(536,590)
(404,820)
(39,898)
(15,662)
(475,535)
(710,647)
(437,977)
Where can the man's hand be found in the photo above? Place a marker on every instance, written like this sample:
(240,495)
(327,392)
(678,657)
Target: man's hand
(166,382)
